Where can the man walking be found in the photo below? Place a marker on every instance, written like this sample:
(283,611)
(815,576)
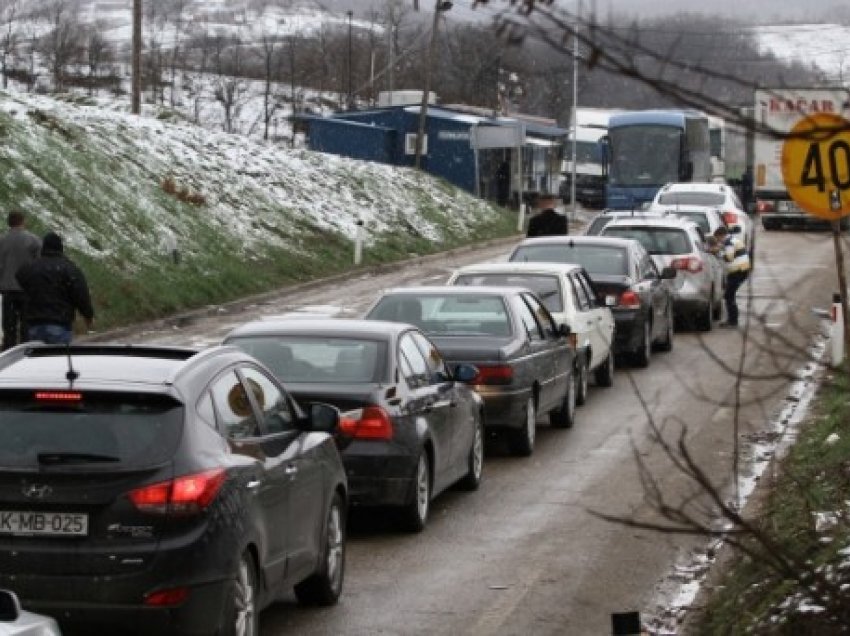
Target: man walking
(547,222)
(737,259)
(17,248)
(55,289)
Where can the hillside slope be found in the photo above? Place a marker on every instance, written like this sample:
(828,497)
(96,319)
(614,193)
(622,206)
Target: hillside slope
(246,216)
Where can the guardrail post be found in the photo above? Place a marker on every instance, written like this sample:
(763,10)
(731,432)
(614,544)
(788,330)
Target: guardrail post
(358,243)
(836,332)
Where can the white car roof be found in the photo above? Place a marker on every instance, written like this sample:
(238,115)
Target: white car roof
(518,267)
(661,221)
(694,187)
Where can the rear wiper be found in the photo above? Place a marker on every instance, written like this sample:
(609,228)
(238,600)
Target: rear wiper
(74,458)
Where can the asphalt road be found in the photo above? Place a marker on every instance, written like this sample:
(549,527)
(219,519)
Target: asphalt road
(525,554)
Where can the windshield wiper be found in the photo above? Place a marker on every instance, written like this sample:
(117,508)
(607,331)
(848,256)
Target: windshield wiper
(52,458)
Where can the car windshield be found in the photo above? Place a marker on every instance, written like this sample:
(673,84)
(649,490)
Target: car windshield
(691,198)
(97,430)
(447,315)
(596,259)
(656,240)
(545,286)
(318,359)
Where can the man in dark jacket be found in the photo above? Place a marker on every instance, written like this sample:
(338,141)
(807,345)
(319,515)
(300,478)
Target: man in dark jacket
(18,246)
(55,289)
(547,222)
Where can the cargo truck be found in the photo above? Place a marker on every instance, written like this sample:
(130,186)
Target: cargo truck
(778,110)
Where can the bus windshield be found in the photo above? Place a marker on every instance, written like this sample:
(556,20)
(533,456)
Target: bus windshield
(645,155)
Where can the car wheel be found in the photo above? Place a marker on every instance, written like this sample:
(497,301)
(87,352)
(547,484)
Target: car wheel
(325,586)
(565,416)
(644,352)
(704,322)
(240,613)
(667,343)
(604,374)
(522,440)
(581,385)
(475,460)
(415,514)
(717,309)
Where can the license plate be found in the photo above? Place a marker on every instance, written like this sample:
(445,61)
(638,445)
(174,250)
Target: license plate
(788,207)
(53,524)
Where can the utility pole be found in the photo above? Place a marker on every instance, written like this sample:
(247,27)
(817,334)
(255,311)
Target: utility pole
(350,101)
(391,52)
(440,6)
(136,99)
(574,123)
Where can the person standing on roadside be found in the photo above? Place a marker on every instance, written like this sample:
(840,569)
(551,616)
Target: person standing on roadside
(55,288)
(18,246)
(547,222)
(733,252)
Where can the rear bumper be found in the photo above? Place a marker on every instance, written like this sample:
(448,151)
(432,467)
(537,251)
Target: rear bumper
(379,473)
(628,331)
(504,407)
(797,221)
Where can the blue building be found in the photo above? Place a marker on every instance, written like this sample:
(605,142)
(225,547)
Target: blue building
(388,135)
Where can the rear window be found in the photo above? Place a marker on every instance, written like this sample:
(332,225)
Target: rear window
(596,259)
(546,287)
(597,224)
(321,360)
(697,217)
(692,198)
(655,240)
(447,315)
(97,430)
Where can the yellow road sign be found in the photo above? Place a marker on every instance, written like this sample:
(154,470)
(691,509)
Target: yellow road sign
(816,165)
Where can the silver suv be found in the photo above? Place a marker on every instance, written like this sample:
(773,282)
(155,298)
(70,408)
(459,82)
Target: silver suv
(677,243)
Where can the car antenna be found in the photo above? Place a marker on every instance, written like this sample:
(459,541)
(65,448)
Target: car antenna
(72,374)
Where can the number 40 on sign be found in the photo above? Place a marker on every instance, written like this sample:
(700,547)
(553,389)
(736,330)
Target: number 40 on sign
(816,165)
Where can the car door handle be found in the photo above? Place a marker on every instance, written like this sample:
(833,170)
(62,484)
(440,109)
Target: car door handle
(291,469)
(253,484)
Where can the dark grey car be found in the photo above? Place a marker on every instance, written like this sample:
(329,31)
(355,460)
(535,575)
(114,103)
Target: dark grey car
(525,364)
(162,490)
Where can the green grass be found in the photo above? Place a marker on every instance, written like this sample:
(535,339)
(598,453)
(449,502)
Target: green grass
(814,477)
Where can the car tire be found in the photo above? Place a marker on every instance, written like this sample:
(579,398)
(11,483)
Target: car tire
(604,374)
(565,416)
(522,440)
(704,318)
(475,459)
(768,225)
(581,384)
(414,515)
(325,585)
(667,343)
(717,309)
(241,616)
(644,351)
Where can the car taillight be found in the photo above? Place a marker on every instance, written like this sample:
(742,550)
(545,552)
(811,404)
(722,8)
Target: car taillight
(58,396)
(183,495)
(730,218)
(629,300)
(764,206)
(494,374)
(692,264)
(373,423)
(167,598)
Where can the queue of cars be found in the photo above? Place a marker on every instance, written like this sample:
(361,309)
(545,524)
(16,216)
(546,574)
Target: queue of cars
(204,485)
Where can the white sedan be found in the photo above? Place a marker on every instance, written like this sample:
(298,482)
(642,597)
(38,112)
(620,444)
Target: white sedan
(567,292)
(16,622)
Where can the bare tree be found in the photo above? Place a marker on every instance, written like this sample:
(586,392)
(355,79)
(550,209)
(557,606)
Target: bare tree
(63,44)
(98,54)
(175,16)
(8,38)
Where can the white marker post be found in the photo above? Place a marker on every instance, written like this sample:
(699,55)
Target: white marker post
(358,243)
(836,332)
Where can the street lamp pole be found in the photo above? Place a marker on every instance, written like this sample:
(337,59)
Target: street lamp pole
(440,6)
(136,59)
(574,125)
(350,100)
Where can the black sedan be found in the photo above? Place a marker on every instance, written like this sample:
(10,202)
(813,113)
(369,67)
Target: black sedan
(625,279)
(525,362)
(158,490)
(410,428)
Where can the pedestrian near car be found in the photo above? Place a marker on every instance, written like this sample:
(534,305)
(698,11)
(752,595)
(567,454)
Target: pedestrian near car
(55,289)
(547,222)
(734,253)
(18,246)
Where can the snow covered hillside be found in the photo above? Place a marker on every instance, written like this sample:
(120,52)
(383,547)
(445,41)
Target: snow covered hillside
(118,187)
(824,46)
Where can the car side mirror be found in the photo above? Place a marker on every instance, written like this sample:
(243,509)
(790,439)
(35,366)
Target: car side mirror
(465,373)
(563,330)
(668,273)
(10,607)
(323,417)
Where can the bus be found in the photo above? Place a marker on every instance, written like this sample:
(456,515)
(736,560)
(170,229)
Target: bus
(649,148)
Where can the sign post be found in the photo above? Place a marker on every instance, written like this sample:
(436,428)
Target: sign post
(816,171)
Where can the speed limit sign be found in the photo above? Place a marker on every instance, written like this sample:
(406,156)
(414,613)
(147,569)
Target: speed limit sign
(816,165)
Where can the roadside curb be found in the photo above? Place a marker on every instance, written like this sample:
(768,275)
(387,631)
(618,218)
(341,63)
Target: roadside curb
(233,305)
